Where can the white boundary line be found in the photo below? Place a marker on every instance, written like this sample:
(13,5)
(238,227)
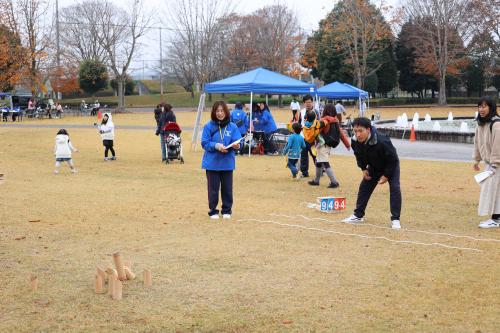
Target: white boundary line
(361,235)
(381,227)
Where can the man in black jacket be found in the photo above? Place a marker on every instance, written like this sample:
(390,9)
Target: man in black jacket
(378,159)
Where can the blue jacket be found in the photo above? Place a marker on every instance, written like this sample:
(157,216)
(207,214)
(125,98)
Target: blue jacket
(294,146)
(213,159)
(239,117)
(265,121)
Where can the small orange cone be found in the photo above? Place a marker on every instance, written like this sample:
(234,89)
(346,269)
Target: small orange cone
(99,115)
(412,134)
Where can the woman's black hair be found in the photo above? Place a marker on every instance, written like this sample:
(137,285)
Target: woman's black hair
(493,110)
(62,131)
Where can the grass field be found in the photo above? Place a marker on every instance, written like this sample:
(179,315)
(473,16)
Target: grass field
(261,271)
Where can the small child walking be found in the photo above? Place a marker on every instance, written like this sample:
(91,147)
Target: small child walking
(329,118)
(107,131)
(293,147)
(63,149)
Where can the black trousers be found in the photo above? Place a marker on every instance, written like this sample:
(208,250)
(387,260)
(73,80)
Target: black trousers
(304,159)
(222,180)
(367,187)
(108,145)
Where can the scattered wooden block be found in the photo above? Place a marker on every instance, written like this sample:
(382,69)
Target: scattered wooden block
(119,266)
(148,280)
(130,275)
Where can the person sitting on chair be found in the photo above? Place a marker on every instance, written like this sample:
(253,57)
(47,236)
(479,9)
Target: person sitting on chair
(263,121)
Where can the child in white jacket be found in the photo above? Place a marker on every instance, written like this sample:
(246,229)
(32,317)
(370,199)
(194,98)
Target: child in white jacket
(107,131)
(63,149)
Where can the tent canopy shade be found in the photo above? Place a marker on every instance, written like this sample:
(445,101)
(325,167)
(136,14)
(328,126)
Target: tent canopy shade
(341,90)
(260,81)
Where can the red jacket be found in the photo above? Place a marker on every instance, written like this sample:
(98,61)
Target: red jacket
(343,137)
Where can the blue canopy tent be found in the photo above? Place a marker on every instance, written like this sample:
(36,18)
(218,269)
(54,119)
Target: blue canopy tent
(339,90)
(260,81)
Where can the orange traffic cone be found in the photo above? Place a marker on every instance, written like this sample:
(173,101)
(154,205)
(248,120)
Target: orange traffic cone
(412,134)
(99,115)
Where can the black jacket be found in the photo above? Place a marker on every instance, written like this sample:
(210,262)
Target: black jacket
(166,117)
(378,155)
(157,115)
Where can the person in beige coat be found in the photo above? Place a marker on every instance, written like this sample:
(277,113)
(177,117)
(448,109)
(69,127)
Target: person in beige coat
(487,149)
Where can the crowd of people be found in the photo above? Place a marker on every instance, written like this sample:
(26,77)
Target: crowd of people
(314,136)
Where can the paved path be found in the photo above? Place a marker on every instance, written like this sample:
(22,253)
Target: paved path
(418,150)
(425,150)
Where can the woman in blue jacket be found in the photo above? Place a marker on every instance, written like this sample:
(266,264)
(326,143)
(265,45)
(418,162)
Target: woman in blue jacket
(240,119)
(219,158)
(263,121)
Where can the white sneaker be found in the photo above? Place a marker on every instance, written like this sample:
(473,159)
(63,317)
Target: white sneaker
(106,159)
(226,216)
(396,224)
(74,170)
(56,172)
(214,217)
(353,219)
(489,224)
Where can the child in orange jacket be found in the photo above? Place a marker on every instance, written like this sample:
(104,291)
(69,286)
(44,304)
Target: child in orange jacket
(323,150)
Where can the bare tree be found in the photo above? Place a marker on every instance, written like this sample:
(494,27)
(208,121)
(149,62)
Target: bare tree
(119,36)
(199,26)
(442,26)
(80,36)
(277,36)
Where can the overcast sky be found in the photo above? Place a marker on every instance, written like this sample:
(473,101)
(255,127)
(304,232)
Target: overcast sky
(309,13)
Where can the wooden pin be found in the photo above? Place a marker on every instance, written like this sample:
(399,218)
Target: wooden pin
(119,266)
(98,284)
(130,275)
(34,283)
(101,273)
(117,290)
(112,276)
(148,281)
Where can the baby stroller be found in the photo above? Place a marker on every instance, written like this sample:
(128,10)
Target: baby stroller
(280,138)
(173,142)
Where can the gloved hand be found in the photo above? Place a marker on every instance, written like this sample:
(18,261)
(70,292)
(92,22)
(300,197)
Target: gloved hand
(101,132)
(218,146)
(491,168)
(157,133)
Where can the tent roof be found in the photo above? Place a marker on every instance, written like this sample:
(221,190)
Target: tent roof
(341,90)
(262,81)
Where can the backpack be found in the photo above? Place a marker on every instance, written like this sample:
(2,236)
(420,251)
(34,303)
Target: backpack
(332,138)
(310,133)
(493,121)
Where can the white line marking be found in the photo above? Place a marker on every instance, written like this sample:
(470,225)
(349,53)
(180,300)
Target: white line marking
(361,235)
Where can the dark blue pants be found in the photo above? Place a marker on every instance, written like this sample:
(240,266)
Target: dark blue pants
(367,187)
(292,165)
(222,180)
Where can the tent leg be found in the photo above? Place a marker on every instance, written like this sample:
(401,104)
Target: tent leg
(201,107)
(251,125)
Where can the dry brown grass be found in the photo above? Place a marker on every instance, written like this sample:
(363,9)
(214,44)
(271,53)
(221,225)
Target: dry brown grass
(232,276)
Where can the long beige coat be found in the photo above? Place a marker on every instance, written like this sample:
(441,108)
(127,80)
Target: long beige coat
(487,149)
